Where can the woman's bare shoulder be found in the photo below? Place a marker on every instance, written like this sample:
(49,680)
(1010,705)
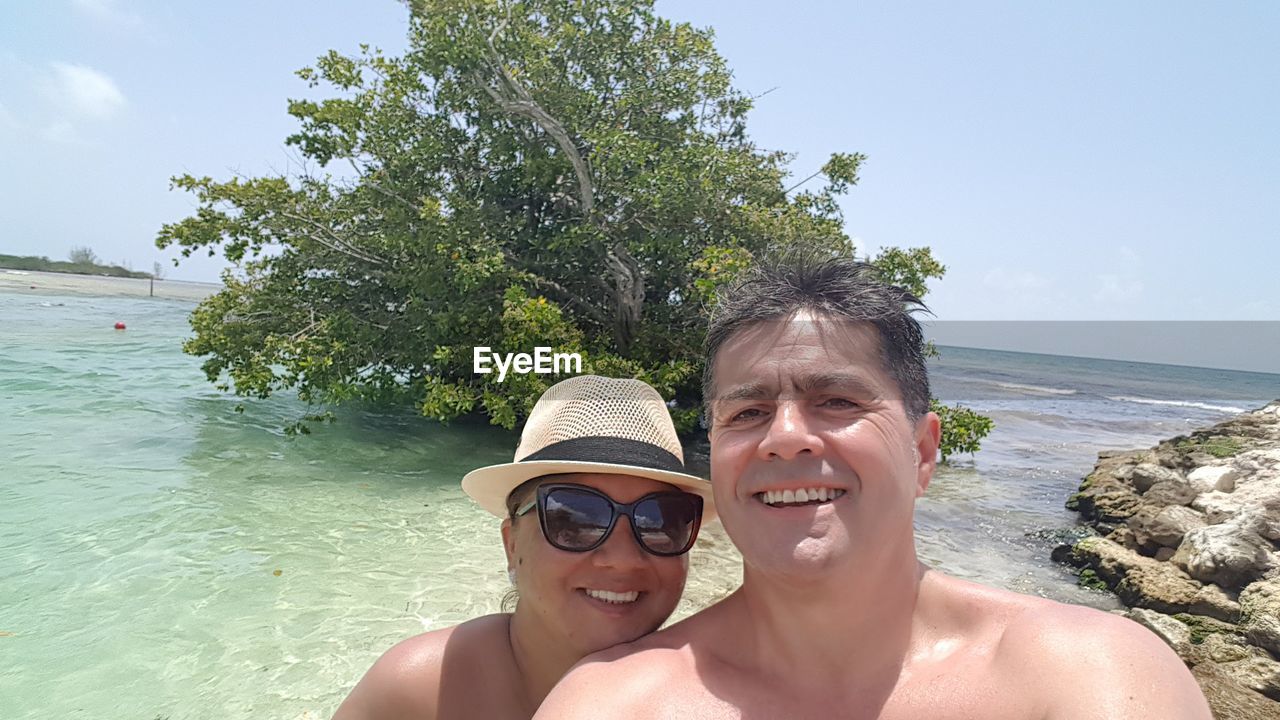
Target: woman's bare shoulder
(426,652)
(405,680)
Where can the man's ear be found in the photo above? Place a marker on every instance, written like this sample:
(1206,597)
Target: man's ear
(927,439)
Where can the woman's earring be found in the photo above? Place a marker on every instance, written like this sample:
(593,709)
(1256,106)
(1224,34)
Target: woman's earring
(511,575)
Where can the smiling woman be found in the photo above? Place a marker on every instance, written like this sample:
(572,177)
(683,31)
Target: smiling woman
(605,562)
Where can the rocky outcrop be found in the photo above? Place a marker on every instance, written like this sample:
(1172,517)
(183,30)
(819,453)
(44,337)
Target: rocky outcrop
(1189,539)
(1226,554)
(1260,608)
(1139,581)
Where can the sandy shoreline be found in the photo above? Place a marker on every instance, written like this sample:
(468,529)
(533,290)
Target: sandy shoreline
(52,283)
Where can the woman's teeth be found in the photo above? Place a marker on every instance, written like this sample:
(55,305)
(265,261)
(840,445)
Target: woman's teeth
(614,597)
(795,497)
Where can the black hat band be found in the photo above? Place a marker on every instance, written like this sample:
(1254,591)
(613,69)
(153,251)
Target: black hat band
(610,450)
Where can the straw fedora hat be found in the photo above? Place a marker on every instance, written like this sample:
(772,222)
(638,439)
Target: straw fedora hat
(592,424)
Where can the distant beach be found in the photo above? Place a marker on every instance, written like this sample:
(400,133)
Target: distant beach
(103,285)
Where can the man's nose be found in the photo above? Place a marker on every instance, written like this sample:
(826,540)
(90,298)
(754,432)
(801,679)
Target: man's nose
(789,434)
(620,549)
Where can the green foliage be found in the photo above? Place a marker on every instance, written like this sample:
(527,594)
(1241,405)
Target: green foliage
(1202,626)
(44,264)
(962,428)
(82,256)
(1089,579)
(573,174)
(1219,446)
(909,269)
(717,267)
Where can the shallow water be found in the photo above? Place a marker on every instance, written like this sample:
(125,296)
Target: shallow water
(166,556)
(162,555)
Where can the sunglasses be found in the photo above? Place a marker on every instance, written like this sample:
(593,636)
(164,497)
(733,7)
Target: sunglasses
(577,518)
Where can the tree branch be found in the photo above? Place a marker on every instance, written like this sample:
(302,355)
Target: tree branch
(587,309)
(793,187)
(367,179)
(513,98)
(304,332)
(333,242)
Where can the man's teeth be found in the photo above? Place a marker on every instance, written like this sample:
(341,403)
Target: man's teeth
(614,597)
(776,497)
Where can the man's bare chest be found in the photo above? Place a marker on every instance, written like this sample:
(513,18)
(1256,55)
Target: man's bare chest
(956,695)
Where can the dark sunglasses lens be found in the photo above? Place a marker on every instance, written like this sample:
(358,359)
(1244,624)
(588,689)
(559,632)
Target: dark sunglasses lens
(665,523)
(575,519)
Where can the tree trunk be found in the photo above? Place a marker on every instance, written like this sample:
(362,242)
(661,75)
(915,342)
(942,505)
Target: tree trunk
(628,295)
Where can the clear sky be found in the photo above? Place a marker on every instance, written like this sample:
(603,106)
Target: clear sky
(1066,161)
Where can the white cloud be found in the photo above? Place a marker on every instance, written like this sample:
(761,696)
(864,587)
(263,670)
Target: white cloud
(85,92)
(1123,284)
(1017,280)
(107,11)
(1258,309)
(1114,288)
(94,7)
(1010,293)
(1125,255)
(63,133)
(8,121)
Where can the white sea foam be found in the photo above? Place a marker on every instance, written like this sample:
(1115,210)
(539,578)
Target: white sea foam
(1037,389)
(1178,403)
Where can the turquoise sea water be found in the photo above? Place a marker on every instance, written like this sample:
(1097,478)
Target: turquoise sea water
(163,556)
(143,522)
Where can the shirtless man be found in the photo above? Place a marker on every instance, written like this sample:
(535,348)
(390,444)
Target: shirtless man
(821,441)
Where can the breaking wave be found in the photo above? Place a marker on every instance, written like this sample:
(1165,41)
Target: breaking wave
(1178,403)
(1036,389)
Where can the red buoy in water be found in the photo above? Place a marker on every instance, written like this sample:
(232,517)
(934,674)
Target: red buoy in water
(119,326)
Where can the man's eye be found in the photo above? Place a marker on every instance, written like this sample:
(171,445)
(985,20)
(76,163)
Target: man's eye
(839,403)
(745,415)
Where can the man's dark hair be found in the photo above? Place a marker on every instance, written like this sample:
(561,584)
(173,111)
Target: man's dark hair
(837,288)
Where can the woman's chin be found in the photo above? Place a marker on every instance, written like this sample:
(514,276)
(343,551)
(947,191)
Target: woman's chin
(607,624)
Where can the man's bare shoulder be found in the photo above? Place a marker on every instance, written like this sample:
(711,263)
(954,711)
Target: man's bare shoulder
(976,613)
(1070,660)
(1090,663)
(647,659)
(628,675)
(632,675)
(1061,633)
(1025,623)
(405,681)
